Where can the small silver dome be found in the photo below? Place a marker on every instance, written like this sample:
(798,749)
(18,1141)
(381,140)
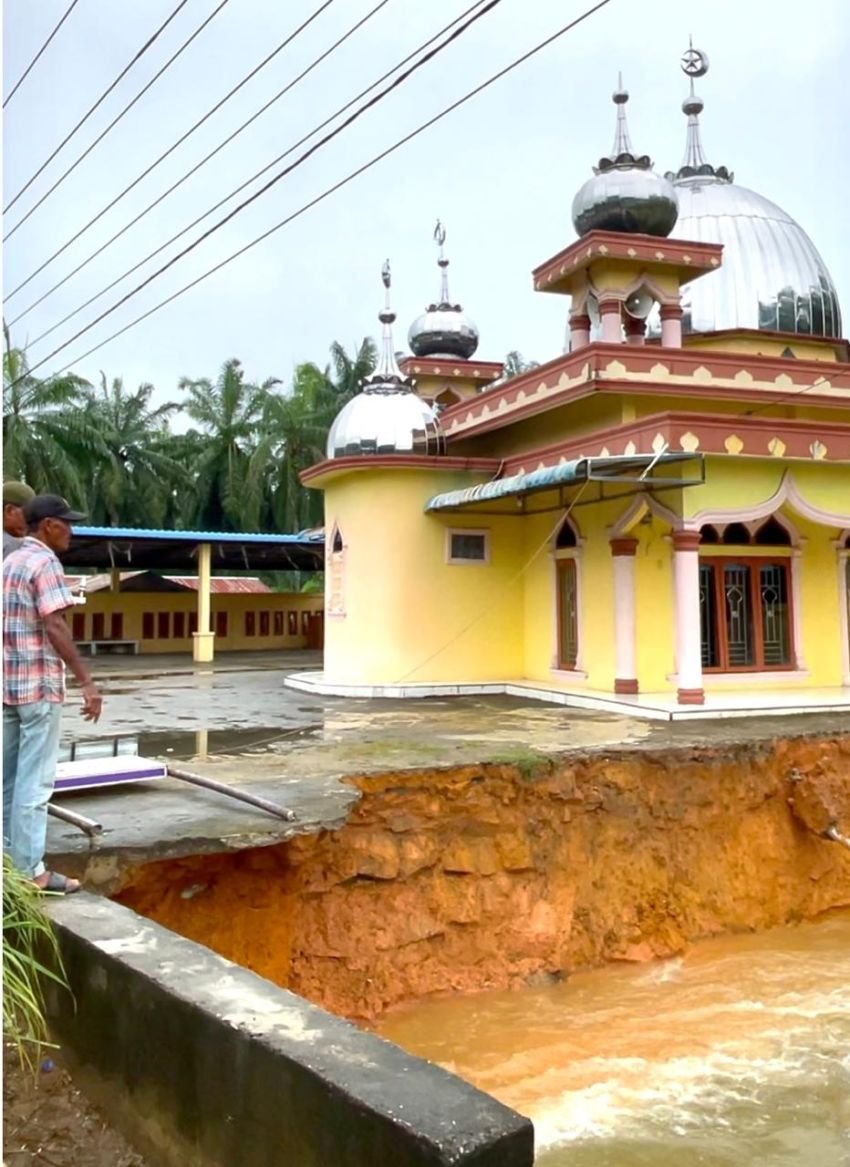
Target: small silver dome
(386,417)
(626,198)
(625,194)
(771,276)
(385,423)
(443,330)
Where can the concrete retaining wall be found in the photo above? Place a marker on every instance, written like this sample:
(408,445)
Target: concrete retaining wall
(207,1065)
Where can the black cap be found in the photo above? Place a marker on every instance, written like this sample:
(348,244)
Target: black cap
(50,506)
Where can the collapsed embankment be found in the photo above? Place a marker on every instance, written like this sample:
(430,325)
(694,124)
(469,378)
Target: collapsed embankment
(494,875)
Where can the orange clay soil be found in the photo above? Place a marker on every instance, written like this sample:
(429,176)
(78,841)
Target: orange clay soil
(497,875)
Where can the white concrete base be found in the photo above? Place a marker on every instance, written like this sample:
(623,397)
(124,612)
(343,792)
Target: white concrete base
(657,706)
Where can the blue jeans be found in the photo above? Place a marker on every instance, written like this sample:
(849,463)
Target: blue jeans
(30,750)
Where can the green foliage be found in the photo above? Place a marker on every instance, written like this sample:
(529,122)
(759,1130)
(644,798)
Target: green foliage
(30,955)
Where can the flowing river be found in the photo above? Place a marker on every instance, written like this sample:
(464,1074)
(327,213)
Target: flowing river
(734,1055)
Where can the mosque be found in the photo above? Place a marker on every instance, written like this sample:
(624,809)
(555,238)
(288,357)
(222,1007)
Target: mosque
(655,521)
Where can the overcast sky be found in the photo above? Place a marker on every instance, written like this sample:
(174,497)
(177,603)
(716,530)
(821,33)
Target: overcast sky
(501,172)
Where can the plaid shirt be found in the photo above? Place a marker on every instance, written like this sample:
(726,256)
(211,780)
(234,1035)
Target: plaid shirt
(33,587)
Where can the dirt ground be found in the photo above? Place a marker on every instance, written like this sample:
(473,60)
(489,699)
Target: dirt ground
(46,1120)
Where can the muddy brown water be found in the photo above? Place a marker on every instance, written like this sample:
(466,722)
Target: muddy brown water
(734,1055)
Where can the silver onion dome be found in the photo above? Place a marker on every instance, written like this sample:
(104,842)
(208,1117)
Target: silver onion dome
(771,276)
(625,193)
(443,330)
(386,416)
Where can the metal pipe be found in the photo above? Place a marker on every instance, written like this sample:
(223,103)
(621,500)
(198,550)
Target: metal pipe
(90,826)
(280,812)
(832,832)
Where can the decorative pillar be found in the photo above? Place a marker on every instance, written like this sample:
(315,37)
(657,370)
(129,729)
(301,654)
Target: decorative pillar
(625,666)
(579,330)
(671,325)
(635,330)
(203,640)
(609,313)
(688,633)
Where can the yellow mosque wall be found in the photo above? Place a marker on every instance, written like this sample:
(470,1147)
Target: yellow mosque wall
(409,616)
(412,618)
(765,345)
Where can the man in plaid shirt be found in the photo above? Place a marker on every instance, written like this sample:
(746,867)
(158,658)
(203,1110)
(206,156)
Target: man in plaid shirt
(36,647)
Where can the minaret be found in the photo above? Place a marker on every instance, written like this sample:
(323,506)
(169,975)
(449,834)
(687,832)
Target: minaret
(387,377)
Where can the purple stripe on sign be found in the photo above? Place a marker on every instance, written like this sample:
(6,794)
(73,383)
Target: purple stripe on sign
(113,779)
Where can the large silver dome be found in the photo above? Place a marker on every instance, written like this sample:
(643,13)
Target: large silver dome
(771,276)
(385,423)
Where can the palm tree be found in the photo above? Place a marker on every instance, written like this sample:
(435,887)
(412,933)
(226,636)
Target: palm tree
(229,414)
(47,441)
(348,372)
(515,364)
(131,474)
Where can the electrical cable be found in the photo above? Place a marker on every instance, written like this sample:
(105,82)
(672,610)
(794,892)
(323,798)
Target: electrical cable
(26,71)
(119,116)
(378,97)
(788,396)
(141,52)
(174,145)
(194,170)
(329,191)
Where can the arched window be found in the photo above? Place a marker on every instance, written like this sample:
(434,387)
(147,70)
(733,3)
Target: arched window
(336,541)
(566,536)
(772,534)
(335,574)
(567,597)
(708,534)
(736,535)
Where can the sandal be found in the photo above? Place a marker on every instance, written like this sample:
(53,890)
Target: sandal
(58,884)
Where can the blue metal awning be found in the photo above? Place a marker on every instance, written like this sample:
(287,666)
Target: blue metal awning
(144,549)
(636,470)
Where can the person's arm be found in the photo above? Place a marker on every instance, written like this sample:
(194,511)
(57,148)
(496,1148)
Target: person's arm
(60,637)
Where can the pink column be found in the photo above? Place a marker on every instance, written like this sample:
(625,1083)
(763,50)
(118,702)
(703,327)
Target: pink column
(625,666)
(609,312)
(635,330)
(688,640)
(671,325)
(579,330)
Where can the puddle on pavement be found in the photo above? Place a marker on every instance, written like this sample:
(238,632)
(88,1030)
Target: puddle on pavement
(193,743)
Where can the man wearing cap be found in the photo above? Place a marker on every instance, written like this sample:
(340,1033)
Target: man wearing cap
(37,645)
(15,496)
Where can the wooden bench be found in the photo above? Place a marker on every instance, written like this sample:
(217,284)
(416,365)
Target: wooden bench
(130,647)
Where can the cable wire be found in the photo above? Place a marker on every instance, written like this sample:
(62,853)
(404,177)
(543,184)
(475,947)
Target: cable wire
(329,191)
(119,116)
(196,168)
(174,145)
(141,52)
(29,67)
(378,97)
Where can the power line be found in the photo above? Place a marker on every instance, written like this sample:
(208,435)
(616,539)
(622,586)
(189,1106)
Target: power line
(337,186)
(141,52)
(787,397)
(281,174)
(29,67)
(174,145)
(195,169)
(119,116)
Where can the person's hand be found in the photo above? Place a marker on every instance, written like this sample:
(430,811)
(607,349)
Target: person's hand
(92,702)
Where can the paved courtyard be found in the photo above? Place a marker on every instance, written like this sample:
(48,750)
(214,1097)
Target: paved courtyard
(237,722)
